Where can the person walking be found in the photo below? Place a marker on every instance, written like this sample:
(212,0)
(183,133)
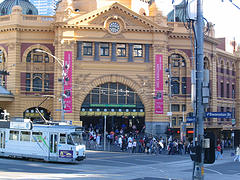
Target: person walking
(237,156)
(219,152)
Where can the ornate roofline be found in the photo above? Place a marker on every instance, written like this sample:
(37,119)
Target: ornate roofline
(154,27)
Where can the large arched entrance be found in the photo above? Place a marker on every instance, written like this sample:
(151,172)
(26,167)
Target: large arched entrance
(117,102)
(35,117)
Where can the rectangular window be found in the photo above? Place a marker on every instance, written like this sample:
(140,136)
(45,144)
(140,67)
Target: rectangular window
(104,49)
(175,107)
(14,135)
(46,82)
(180,120)
(228,91)
(37,82)
(63,138)
(184,85)
(175,85)
(233,91)
(28,81)
(25,136)
(138,50)
(36,136)
(121,50)
(174,121)
(222,89)
(37,58)
(184,107)
(87,49)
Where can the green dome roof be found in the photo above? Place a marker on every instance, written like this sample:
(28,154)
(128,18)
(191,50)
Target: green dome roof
(180,13)
(27,7)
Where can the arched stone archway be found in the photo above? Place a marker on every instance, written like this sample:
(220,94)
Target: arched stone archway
(116,79)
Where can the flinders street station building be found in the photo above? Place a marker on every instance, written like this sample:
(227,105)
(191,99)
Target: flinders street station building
(120,60)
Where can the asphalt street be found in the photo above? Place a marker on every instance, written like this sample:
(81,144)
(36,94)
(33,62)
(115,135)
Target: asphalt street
(120,166)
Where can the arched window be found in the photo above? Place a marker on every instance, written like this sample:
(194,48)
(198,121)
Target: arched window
(222,66)
(37,57)
(206,63)
(228,67)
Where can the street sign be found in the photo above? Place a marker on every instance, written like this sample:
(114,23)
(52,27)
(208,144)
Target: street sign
(169,113)
(191,119)
(227,115)
(233,122)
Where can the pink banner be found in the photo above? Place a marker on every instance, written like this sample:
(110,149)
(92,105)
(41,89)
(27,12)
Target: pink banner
(159,84)
(68,81)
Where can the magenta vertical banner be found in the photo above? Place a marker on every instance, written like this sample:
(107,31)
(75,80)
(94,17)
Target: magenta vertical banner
(159,84)
(68,81)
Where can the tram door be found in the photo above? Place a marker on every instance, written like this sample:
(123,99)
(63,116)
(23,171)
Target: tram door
(53,144)
(2,140)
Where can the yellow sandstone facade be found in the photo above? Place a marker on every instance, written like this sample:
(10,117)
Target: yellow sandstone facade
(113,44)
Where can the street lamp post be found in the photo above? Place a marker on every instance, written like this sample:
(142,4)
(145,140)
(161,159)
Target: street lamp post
(169,71)
(61,63)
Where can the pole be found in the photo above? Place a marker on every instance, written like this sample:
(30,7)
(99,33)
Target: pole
(199,82)
(62,95)
(170,96)
(105,129)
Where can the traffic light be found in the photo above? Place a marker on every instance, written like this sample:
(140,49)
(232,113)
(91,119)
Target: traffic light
(209,152)
(195,153)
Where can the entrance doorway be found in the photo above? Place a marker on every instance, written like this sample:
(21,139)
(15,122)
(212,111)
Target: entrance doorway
(119,103)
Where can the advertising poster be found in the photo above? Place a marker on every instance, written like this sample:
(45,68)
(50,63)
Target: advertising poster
(68,81)
(159,84)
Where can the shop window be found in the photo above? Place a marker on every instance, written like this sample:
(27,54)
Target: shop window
(121,50)
(25,136)
(104,49)
(87,49)
(180,120)
(175,107)
(138,50)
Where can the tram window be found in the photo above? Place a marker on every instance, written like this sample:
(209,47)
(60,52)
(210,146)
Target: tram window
(14,135)
(25,136)
(69,140)
(62,138)
(36,137)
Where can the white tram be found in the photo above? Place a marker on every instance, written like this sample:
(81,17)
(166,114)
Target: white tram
(57,143)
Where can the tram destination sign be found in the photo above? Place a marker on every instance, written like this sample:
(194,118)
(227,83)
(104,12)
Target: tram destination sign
(227,115)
